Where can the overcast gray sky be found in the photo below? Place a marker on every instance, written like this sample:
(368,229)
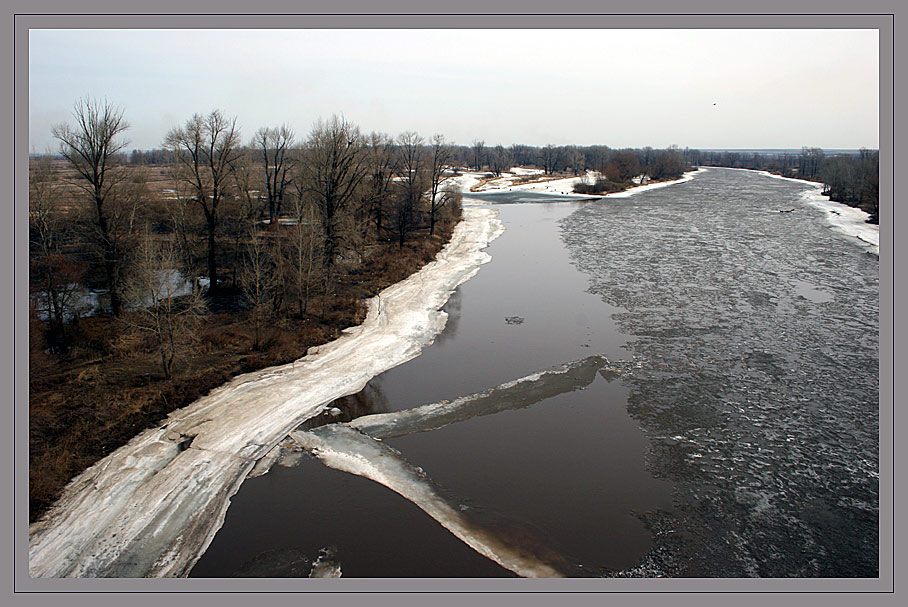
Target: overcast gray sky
(623,88)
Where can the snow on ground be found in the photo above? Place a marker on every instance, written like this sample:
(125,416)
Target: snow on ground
(465,181)
(524,171)
(848,220)
(563,186)
(152,507)
(654,186)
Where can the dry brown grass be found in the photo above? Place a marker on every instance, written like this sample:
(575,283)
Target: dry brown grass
(110,387)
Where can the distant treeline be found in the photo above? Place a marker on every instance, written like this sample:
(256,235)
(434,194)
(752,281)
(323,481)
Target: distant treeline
(848,177)
(616,166)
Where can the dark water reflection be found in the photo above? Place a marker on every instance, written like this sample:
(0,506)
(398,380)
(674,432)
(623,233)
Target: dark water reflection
(751,346)
(568,472)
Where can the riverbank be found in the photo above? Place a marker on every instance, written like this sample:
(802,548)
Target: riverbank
(478,183)
(846,219)
(108,386)
(151,507)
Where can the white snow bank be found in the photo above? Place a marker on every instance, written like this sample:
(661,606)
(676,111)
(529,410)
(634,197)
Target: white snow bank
(847,220)
(654,186)
(343,448)
(526,171)
(565,186)
(552,186)
(465,181)
(152,507)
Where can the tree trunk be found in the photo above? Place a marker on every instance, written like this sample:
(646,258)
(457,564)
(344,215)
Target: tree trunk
(212,260)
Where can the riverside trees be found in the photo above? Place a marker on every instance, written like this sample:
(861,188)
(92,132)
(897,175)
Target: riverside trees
(306,230)
(91,148)
(205,149)
(332,170)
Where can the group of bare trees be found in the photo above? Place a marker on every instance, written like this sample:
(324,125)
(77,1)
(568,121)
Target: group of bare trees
(277,220)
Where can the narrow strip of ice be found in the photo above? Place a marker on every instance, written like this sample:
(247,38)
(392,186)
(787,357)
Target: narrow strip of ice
(152,507)
(654,186)
(343,448)
(515,394)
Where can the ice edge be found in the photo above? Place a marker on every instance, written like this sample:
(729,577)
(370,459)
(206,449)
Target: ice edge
(152,507)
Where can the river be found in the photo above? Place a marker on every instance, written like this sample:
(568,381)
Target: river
(733,432)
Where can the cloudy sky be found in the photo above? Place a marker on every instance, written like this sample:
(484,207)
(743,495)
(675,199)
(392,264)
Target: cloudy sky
(622,88)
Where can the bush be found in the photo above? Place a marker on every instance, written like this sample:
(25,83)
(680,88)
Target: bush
(600,186)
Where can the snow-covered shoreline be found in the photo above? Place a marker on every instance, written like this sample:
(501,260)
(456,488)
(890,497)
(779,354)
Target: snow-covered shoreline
(152,507)
(564,186)
(845,219)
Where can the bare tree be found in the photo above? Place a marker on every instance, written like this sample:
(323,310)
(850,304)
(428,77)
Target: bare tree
(478,153)
(239,220)
(574,159)
(56,277)
(247,181)
(185,225)
(305,246)
(331,172)
(161,303)
(440,162)
(623,167)
(499,160)
(258,281)
(274,145)
(206,148)
(382,166)
(412,182)
(91,148)
(549,158)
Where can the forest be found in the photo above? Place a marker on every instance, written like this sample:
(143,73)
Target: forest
(156,277)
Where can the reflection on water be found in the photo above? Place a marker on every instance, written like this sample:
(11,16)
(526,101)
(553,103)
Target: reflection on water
(749,349)
(568,471)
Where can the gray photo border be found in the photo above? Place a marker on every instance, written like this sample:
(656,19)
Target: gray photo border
(466,14)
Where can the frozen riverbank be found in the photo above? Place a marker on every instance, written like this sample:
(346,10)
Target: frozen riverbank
(845,219)
(465,182)
(152,506)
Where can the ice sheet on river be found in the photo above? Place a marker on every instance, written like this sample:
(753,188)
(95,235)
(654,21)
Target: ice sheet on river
(357,448)
(344,448)
(846,219)
(151,507)
(519,393)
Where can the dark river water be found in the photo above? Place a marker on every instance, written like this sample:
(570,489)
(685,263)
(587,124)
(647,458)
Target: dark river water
(739,437)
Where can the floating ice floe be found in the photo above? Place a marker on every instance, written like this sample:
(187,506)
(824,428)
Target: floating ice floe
(344,448)
(357,448)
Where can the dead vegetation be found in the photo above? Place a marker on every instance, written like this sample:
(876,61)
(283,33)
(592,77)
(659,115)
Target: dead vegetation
(110,386)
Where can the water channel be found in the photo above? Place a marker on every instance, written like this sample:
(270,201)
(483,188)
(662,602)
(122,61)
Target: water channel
(733,432)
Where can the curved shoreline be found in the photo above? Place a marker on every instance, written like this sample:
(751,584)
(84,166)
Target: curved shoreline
(151,508)
(845,219)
